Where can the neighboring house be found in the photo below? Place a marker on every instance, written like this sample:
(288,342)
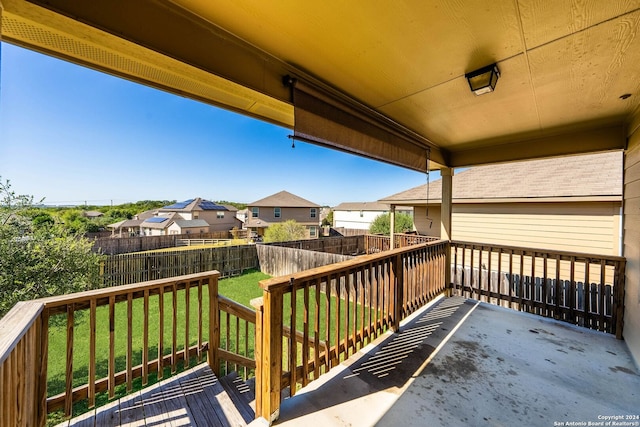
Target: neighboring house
(92,214)
(219,217)
(130,227)
(360,215)
(193,216)
(568,203)
(242,216)
(281,207)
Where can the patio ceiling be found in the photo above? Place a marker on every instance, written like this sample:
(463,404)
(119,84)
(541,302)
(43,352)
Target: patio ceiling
(566,66)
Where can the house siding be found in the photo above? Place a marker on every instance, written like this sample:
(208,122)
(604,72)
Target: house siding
(632,242)
(353,220)
(578,227)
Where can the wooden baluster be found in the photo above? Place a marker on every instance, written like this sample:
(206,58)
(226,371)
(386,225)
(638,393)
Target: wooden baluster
(316,331)
(200,325)
(68,398)
(91,377)
(129,342)
(187,305)
(174,328)
(145,338)
(305,336)
(112,347)
(160,371)
(291,342)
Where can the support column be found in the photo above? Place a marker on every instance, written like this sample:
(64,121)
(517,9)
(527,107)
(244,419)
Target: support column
(392,226)
(445,221)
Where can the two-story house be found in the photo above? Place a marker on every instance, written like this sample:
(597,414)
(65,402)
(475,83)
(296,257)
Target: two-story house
(281,207)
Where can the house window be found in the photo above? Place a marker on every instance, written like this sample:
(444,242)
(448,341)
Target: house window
(314,212)
(313,231)
(195,215)
(276,212)
(219,215)
(361,214)
(255,212)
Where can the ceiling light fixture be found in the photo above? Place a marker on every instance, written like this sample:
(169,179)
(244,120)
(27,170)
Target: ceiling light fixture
(483,80)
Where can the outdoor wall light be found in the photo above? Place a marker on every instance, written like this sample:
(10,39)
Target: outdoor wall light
(483,80)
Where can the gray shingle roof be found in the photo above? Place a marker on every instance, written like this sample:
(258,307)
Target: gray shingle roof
(186,223)
(284,199)
(593,175)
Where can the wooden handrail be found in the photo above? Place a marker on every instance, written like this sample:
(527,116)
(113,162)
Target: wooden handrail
(579,288)
(337,309)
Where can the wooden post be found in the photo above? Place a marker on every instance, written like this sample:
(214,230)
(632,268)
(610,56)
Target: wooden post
(271,354)
(445,221)
(258,304)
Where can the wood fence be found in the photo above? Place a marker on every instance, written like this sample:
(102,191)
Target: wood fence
(375,243)
(121,245)
(353,245)
(283,261)
(582,289)
(125,269)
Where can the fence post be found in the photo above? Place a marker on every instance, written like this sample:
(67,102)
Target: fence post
(271,354)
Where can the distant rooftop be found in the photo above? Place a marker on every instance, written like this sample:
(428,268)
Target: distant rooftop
(196,204)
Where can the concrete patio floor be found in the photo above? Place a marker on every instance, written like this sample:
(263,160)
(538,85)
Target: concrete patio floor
(460,362)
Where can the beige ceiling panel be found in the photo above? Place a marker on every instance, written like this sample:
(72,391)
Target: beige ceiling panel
(579,77)
(544,20)
(377,54)
(451,114)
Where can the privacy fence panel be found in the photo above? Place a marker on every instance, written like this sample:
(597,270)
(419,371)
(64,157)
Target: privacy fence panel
(125,269)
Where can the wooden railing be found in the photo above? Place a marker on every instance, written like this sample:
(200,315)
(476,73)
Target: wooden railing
(22,397)
(338,309)
(304,324)
(60,352)
(583,289)
(375,243)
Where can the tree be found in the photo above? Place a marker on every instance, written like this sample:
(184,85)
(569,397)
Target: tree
(382,224)
(38,258)
(285,231)
(328,221)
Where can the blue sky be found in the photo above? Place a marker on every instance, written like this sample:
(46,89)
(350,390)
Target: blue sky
(70,134)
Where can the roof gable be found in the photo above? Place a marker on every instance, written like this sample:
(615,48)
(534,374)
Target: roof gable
(284,199)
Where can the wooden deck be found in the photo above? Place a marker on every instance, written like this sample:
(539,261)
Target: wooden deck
(192,398)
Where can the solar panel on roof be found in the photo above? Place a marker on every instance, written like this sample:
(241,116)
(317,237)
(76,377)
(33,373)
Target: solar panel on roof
(210,206)
(179,205)
(156,219)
